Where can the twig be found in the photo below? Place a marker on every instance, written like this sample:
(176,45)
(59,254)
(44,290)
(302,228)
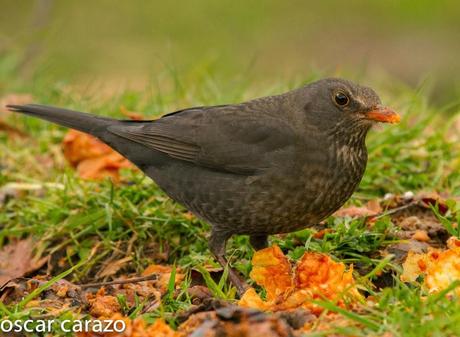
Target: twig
(131,280)
(394,210)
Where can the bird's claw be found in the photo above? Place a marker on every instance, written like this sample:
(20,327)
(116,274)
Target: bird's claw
(235,278)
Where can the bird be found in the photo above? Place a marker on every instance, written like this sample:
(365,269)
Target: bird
(270,165)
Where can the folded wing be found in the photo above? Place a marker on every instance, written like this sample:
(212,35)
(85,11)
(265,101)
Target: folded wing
(225,138)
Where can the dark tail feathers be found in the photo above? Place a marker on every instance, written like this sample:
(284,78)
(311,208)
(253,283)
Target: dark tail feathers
(81,121)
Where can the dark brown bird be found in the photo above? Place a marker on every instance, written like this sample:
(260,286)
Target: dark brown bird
(270,165)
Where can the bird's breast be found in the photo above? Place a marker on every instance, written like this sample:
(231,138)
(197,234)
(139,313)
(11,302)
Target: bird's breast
(304,193)
(329,183)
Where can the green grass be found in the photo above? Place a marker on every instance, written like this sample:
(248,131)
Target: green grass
(70,216)
(403,311)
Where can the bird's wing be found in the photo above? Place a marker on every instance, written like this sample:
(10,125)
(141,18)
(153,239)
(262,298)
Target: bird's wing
(223,138)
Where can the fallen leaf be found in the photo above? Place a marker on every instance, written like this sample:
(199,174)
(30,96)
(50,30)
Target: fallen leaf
(113,267)
(413,215)
(93,159)
(440,267)
(102,305)
(316,276)
(374,205)
(432,198)
(235,321)
(17,260)
(199,293)
(372,208)
(164,274)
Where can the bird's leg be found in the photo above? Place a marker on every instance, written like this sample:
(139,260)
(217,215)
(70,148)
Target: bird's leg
(258,242)
(217,243)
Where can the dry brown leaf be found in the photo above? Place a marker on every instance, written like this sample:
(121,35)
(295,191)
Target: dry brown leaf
(355,211)
(17,260)
(233,321)
(92,158)
(316,276)
(374,205)
(164,274)
(102,305)
(113,267)
(432,198)
(440,267)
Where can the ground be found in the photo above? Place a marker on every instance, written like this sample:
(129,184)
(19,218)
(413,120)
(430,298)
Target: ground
(63,235)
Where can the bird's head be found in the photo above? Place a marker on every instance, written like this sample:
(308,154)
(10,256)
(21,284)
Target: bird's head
(344,106)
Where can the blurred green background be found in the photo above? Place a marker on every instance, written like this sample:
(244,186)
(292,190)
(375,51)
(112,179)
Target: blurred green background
(132,43)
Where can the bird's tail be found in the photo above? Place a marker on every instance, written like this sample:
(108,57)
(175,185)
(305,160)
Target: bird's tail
(81,121)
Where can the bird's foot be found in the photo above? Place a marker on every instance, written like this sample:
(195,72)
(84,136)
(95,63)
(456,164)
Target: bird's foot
(217,245)
(235,277)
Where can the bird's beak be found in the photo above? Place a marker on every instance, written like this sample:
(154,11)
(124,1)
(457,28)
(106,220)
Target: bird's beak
(383,114)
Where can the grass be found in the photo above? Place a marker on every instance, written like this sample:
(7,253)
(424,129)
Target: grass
(69,216)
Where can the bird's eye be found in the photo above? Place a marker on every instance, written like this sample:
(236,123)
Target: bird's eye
(341,99)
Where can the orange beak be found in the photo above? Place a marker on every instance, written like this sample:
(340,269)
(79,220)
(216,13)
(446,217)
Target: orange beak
(383,114)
